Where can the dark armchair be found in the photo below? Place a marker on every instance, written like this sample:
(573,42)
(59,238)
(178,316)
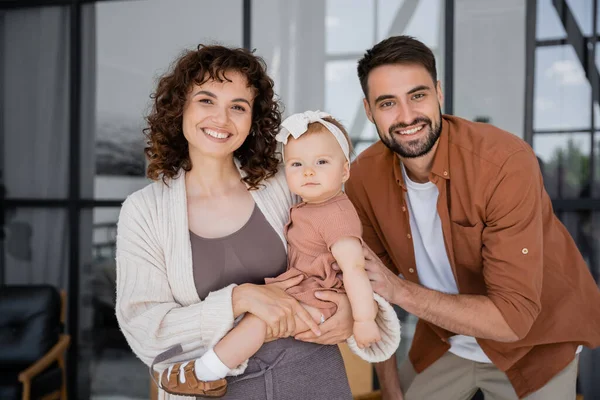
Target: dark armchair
(32,345)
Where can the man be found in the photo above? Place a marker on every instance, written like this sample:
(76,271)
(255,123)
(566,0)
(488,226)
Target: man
(458,213)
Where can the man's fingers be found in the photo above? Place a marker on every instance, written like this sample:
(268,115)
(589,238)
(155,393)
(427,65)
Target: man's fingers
(326,337)
(329,295)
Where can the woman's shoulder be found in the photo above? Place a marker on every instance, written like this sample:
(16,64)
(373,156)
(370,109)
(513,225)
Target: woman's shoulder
(150,197)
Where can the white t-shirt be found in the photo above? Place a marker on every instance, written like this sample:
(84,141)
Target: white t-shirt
(431,258)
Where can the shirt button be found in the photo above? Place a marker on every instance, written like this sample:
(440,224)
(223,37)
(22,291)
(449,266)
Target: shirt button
(408,235)
(445,173)
(524,251)
(403,209)
(411,270)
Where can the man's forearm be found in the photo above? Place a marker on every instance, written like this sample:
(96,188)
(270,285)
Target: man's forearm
(471,315)
(387,374)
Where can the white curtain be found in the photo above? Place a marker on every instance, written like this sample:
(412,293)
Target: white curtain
(35,154)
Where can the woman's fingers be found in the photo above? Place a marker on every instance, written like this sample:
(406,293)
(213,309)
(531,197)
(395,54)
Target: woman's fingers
(269,334)
(282,326)
(288,283)
(291,322)
(305,316)
(275,326)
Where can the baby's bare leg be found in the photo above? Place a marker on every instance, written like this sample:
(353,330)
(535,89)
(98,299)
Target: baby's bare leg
(242,342)
(316,315)
(248,336)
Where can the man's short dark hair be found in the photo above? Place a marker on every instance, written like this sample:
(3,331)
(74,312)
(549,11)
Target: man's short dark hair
(395,50)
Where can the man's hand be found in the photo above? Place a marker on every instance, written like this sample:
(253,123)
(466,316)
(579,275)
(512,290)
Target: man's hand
(338,327)
(383,281)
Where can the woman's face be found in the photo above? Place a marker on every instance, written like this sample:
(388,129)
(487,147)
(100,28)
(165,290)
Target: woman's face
(217,116)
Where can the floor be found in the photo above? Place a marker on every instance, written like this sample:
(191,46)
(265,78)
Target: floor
(119,375)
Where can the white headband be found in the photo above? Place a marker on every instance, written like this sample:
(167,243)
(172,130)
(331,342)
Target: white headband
(297,124)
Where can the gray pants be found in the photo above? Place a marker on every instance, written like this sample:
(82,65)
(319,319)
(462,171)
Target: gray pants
(455,378)
(288,369)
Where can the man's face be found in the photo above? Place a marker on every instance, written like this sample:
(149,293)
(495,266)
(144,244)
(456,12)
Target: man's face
(405,105)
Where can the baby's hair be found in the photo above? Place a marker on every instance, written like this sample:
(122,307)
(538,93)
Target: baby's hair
(317,127)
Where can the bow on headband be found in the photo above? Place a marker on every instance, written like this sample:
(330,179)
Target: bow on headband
(297,124)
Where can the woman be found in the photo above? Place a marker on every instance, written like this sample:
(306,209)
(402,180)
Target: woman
(194,247)
(187,259)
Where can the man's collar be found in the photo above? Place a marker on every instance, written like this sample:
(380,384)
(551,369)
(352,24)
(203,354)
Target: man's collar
(441,165)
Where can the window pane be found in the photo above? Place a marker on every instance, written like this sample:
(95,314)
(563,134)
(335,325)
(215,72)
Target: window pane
(584,227)
(426,23)
(598,19)
(564,163)
(423,19)
(548,24)
(360,147)
(388,13)
(134,59)
(36,248)
(367,137)
(348,26)
(596,191)
(343,94)
(489,63)
(34,102)
(105,355)
(409,324)
(369,131)
(562,92)
(582,10)
(598,53)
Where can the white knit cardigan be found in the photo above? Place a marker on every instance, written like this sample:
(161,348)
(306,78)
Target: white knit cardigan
(157,302)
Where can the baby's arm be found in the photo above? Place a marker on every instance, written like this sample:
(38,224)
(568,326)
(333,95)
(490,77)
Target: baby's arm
(348,253)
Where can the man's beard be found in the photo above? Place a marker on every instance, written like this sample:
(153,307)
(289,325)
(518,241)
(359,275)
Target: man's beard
(417,147)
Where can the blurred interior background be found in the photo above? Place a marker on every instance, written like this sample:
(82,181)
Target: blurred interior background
(75,81)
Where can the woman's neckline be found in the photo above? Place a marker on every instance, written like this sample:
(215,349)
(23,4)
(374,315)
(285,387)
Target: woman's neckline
(246,224)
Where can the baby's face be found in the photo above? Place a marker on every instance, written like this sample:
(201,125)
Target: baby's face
(315,166)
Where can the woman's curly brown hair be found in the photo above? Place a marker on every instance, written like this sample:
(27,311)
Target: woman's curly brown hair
(167,148)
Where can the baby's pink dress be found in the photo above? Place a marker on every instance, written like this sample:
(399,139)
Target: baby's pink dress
(310,233)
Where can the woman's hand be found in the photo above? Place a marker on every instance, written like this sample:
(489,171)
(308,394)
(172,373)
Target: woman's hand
(338,327)
(276,308)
